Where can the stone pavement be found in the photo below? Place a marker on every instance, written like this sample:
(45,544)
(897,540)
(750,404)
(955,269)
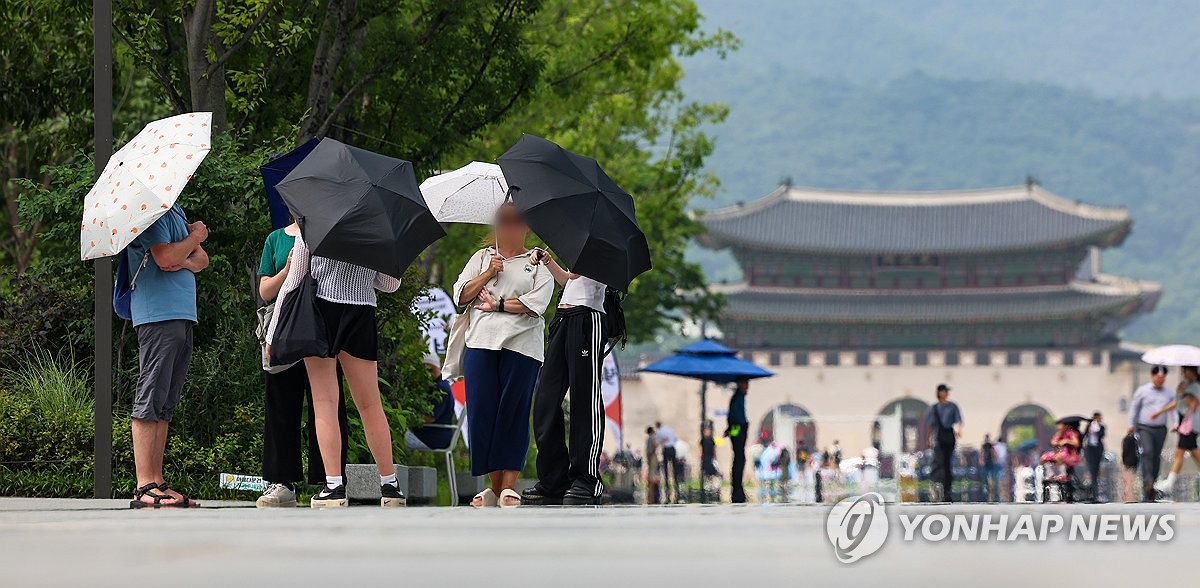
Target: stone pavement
(100,543)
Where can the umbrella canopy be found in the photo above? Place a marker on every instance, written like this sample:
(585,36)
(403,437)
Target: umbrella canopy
(142,181)
(274,172)
(469,194)
(360,207)
(584,216)
(707,360)
(1174,355)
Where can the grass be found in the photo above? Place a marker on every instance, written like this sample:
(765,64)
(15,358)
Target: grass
(56,385)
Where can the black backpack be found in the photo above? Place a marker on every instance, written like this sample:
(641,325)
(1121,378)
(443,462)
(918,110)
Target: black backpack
(1129,451)
(614,319)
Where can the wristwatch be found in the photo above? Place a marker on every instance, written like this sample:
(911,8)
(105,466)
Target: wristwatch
(500,305)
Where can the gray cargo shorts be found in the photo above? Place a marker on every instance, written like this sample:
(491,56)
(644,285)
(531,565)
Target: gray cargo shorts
(164,353)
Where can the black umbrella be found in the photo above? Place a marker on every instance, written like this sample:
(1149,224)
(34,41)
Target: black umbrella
(360,207)
(584,216)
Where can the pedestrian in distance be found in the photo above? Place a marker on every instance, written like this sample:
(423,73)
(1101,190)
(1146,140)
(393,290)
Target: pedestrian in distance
(666,438)
(287,392)
(345,298)
(653,468)
(1093,451)
(1148,421)
(945,427)
(570,472)
(1186,438)
(163,262)
(506,294)
(736,430)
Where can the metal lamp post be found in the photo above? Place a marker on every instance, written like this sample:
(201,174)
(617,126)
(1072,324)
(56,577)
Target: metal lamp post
(103,138)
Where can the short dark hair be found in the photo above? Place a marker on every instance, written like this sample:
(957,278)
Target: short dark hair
(1159,369)
(649,430)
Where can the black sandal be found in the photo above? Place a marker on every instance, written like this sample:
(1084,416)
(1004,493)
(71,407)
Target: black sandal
(149,490)
(184,501)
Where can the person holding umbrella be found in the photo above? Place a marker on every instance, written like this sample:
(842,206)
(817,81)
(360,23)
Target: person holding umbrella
(132,210)
(507,292)
(574,359)
(286,392)
(362,221)
(345,297)
(1189,383)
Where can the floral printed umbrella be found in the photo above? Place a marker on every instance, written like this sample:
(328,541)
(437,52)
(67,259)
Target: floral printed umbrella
(469,194)
(142,181)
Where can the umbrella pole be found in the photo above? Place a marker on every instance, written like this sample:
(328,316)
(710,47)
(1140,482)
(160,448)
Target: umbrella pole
(103,281)
(703,416)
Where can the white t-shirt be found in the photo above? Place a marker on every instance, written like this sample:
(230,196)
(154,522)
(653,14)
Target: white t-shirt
(531,284)
(583,291)
(666,436)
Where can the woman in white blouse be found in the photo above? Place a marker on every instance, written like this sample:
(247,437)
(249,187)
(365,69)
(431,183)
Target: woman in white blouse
(507,293)
(346,300)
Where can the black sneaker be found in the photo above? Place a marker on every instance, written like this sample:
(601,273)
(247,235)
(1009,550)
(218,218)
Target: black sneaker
(330,498)
(537,495)
(390,495)
(579,496)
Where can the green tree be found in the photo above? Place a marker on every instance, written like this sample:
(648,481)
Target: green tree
(611,90)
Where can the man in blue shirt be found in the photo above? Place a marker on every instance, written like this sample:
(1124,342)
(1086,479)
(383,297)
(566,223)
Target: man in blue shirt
(163,261)
(736,431)
(945,427)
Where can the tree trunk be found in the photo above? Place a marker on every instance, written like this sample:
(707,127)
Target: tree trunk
(331,50)
(206,81)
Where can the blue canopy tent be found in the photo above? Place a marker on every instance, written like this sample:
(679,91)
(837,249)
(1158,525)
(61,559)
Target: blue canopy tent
(707,361)
(274,171)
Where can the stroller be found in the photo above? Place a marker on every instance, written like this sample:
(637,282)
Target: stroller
(1071,486)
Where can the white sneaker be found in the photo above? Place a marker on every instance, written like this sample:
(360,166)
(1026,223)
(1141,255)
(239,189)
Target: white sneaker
(1165,485)
(276,496)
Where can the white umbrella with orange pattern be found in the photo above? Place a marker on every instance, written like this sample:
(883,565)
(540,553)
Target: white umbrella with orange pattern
(142,181)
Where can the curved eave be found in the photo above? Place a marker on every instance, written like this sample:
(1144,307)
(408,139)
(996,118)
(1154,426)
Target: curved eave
(1114,299)
(1112,225)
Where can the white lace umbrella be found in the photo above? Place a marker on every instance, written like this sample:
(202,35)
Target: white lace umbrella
(142,181)
(470,194)
(1173,355)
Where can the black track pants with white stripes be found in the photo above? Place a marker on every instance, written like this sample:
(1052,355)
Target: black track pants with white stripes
(574,357)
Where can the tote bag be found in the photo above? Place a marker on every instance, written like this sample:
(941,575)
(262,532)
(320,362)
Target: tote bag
(301,330)
(456,341)
(264,324)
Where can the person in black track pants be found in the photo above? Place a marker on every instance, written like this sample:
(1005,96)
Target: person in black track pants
(569,470)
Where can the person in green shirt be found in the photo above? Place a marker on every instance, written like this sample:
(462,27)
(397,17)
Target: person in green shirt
(286,394)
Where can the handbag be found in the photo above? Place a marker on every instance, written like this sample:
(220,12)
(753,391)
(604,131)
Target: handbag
(301,330)
(264,324)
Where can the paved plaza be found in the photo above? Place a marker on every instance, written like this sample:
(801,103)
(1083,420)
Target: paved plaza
(98,543)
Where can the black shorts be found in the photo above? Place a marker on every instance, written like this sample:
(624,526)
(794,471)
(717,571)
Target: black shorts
(1187,442)
(350,328)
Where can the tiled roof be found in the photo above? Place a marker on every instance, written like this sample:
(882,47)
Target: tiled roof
(1016,304)
(1001,219)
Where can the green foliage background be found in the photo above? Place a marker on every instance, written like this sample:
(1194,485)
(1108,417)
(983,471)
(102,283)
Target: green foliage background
(437,82)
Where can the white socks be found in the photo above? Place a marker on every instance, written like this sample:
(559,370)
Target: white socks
(332,482)
(383,480)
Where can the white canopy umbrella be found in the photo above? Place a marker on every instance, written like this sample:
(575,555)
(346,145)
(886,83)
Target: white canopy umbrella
(142,181)
(1173,355)
(470,194)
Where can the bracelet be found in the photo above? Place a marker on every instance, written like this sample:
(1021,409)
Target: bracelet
(500,305)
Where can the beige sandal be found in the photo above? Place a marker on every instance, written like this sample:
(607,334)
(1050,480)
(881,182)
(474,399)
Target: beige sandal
(509,498)
(485,498)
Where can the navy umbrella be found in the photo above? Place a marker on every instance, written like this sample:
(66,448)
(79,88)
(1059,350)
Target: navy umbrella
(274,171)
(360,207)
(580,212)
(708,361)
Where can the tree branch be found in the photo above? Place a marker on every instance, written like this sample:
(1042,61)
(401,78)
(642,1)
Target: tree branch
(246,35)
